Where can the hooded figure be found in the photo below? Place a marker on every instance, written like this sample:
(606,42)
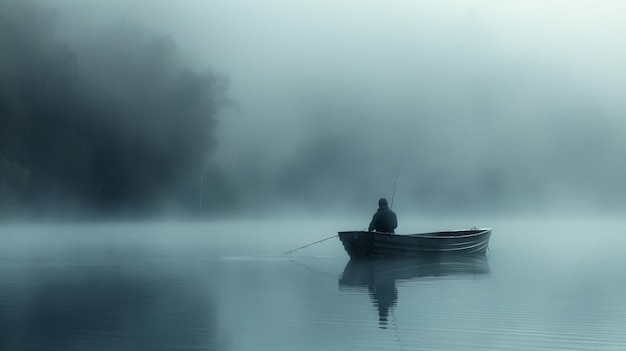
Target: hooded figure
(384,219)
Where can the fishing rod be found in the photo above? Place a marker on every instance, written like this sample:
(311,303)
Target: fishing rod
(395,186)
(307,245)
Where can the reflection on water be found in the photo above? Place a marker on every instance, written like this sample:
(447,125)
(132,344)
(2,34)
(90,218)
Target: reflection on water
(379,277)
(226,286)
(116,304)
(104,307)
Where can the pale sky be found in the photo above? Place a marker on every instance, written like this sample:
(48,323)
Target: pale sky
(281,35)
(511,73)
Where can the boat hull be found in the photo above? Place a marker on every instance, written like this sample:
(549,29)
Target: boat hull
(362,244)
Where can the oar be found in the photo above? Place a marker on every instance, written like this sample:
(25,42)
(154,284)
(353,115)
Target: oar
(307,245)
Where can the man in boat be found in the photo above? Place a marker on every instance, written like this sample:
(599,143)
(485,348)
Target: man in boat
(384,220)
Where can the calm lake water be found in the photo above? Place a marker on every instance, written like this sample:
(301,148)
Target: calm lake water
(546,285)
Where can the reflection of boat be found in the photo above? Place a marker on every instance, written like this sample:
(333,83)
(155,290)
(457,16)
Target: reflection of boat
(360,244)
(379,276)
(364,272)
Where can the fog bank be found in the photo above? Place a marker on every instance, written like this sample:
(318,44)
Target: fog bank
(495,107)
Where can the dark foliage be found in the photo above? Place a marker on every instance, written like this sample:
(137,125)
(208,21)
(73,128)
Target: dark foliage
(122,126)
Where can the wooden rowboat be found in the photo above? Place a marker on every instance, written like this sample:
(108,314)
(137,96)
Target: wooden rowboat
(362,244)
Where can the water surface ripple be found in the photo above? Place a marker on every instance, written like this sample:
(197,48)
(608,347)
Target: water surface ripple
(227,286)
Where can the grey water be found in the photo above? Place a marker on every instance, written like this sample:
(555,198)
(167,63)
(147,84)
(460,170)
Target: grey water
(549,284)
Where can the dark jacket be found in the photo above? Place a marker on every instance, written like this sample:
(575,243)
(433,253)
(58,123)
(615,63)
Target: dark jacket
(384,221)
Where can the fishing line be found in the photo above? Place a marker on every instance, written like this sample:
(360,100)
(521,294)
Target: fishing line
(395,186)
(314,270)
(395,327)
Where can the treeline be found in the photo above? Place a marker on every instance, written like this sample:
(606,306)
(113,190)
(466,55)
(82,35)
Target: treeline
(120,126)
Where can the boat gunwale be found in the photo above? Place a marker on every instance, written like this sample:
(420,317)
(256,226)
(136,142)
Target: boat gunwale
(433,235)
(446,249)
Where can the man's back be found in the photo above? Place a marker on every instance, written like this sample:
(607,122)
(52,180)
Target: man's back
(384,219)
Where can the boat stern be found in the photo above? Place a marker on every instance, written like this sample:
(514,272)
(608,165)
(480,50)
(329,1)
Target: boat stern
(357,243)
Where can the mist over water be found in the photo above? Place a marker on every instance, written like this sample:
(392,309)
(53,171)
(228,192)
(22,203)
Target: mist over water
(496,107)
(200,140)
(546,284)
